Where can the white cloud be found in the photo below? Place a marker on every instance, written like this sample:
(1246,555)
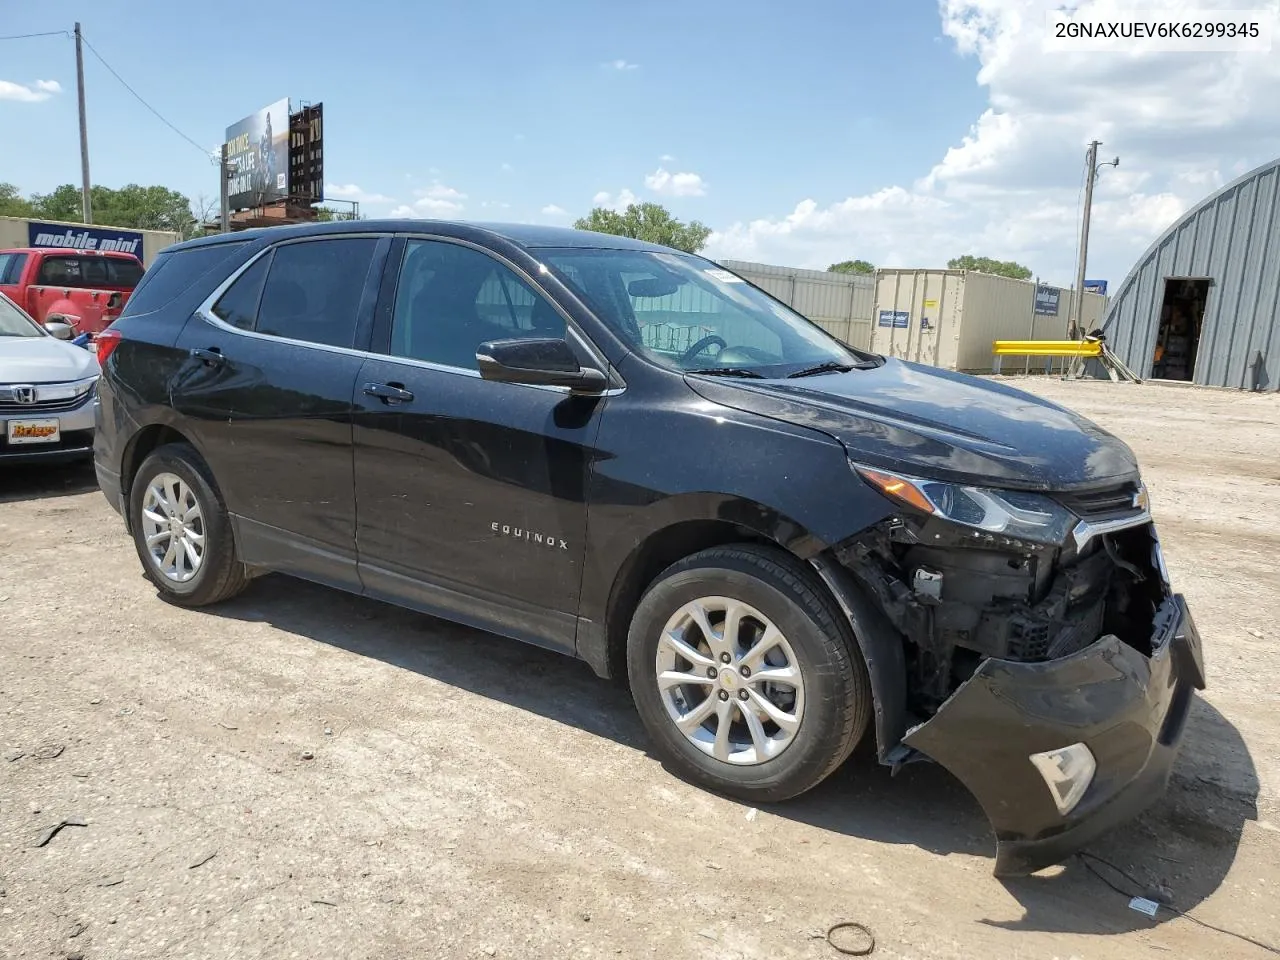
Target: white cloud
(666,158)
(436,201)
(551,210)
(507,168)
(494,205)
(1182,123)
(620,201)
(675,184)
(350,191)
(40,90)
(621,65)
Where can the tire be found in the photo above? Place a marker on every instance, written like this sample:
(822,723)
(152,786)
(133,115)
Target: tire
(219,574)
(831,709)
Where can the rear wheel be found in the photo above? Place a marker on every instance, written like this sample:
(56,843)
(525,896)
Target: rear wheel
(746,675)
(181,529)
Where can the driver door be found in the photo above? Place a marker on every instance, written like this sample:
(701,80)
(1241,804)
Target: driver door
(471,494)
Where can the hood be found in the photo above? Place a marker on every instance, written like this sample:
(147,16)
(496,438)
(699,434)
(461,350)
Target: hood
(920,420)
(44,360)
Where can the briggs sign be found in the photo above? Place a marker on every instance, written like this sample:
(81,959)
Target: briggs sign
(105,239)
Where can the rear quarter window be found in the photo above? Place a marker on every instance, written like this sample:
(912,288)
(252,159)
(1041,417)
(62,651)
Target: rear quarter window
(173,273)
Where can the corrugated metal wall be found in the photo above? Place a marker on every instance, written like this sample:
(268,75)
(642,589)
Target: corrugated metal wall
(1232,238)
(841,303)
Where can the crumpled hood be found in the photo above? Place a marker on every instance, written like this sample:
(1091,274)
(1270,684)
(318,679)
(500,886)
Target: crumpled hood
(44,360)
(921,420)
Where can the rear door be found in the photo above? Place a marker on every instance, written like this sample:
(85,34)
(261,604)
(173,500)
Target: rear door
(471,494)
(266,389)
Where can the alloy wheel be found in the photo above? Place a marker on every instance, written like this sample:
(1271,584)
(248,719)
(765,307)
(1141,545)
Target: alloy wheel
(730,681)
(173,528)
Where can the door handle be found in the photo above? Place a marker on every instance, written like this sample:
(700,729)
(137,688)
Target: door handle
(388,392)
(211,356)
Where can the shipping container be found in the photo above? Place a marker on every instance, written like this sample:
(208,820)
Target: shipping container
(23,232)
(841,303)
(949,318)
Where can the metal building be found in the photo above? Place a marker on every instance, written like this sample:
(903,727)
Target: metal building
(946,318)
(843,304)
(949,318)
(1203,303)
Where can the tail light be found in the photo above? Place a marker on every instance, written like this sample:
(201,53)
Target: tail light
(106,342)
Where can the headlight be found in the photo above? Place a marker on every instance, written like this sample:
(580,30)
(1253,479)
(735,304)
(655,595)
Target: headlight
(1011,513)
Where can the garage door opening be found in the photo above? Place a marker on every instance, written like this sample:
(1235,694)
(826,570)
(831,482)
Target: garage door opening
(1181,321)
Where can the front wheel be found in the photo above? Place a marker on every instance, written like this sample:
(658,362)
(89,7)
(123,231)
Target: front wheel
(745,674)
(181,529)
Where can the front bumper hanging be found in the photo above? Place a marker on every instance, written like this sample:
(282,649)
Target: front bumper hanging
(1130,710)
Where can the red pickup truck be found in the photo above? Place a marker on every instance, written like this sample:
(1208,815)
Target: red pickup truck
(85,288)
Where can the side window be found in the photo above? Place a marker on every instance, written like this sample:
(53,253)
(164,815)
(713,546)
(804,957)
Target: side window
(312,291)
(238,306)
(11,265)
(450,299)
(174,273)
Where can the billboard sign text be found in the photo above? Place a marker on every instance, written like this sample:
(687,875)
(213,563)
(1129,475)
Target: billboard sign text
(258,151)
(895,318)
(103,239)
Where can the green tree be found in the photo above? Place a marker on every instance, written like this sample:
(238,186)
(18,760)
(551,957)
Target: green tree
(852,266)
(12,203)
(1001,268)
(647,221)
(62,204)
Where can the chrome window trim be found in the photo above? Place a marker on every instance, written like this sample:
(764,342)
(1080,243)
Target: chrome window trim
(569,324)
(205,312)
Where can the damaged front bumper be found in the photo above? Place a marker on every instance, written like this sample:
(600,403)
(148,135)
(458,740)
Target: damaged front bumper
(1129,709)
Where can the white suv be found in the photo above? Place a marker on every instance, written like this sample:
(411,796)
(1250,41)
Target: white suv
(48,390)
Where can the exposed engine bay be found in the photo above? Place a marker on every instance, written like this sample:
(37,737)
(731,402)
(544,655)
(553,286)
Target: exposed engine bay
(959,596)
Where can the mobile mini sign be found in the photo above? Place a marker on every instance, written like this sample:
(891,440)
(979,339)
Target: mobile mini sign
(102,239)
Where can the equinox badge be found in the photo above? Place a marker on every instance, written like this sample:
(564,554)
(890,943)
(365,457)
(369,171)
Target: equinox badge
(521,533)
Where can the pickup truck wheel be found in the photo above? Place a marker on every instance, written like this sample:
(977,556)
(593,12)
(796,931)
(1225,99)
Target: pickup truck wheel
(181,529)
(746,675)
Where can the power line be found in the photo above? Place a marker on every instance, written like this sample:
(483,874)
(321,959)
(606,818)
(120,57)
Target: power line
(47,33)
(203,150)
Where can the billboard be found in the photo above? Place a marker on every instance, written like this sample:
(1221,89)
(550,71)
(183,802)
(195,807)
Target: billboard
(258,149)
(105,239)
(1096,286)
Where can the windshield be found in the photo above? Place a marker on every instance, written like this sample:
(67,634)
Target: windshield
(14,323)
(686,313)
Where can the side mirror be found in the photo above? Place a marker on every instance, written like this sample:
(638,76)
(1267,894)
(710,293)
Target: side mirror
(549,362)
(63,331)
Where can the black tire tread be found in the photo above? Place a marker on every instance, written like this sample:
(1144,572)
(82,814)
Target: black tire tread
(852,697)
(228,575)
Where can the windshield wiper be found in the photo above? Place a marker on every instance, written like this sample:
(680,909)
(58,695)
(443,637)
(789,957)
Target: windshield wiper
(729,372)
(830,366)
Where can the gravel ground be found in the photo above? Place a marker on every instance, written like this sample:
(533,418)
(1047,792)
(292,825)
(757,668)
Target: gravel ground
(300,773)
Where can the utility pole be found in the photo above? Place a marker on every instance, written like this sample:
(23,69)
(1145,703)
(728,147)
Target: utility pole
(1075,326)
(86,202)
(224,176)
(1077,302)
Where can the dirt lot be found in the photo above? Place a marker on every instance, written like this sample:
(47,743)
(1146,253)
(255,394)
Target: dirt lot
(470,797)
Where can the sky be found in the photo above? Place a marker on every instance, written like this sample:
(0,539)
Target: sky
(903,132)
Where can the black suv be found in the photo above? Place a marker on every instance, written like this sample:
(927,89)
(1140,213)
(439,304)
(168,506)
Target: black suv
(632,455)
